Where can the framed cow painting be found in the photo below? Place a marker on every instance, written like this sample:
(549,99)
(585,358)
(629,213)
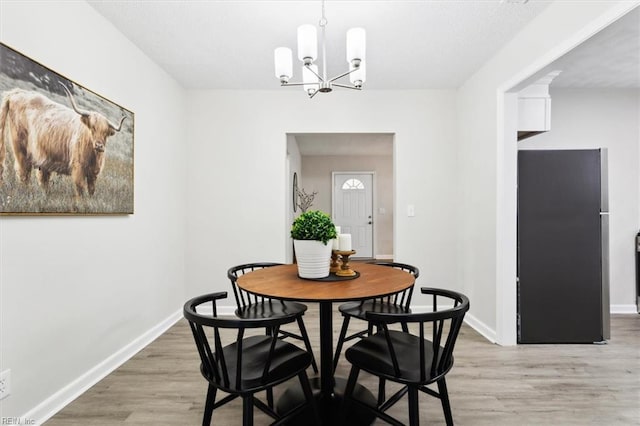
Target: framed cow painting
(63,148)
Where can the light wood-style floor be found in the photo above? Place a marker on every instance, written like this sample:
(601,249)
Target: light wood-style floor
(489,384)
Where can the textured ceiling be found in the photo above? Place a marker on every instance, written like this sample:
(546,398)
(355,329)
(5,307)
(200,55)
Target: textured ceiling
(609,59)
(229,44)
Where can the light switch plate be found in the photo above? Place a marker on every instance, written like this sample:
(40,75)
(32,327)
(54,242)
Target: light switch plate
(411,211)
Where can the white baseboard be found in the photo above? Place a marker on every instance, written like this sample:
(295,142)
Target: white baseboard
(384,257)
(481,327)
(471,321)
(490,334)
(56,402)
(222,310)
(624,309)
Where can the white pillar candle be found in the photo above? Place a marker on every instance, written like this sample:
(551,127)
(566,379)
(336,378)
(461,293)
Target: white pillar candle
(335,244)
(336,241)
(345,242)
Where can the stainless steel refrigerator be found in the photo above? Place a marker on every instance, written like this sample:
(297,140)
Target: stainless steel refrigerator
(563,246)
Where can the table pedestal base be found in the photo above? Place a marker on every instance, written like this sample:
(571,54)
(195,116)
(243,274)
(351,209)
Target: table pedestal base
(329,409)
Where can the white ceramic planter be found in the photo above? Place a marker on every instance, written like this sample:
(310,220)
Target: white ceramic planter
(313,257)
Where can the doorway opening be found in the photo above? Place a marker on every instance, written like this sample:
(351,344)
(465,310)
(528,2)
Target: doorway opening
(556,59)
(316,157)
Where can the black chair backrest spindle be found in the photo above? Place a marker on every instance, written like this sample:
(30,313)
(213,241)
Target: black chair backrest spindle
(243,298)
(402,298)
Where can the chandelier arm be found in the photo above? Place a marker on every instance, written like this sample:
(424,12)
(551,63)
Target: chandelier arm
(293,84)
(342,75)
(344,86)
(322,79)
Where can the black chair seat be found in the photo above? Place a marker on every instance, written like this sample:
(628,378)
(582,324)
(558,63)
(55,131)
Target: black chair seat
(270,308)
(359,309)
(286,357)
(372,354)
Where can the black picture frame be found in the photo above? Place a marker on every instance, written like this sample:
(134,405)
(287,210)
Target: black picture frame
(295,192)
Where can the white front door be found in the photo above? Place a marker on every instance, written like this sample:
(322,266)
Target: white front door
(353,209)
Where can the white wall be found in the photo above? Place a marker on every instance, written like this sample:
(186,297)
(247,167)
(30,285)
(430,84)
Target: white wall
(237,186)
(605,118)
(295,166)
(77,292)
(317,169)
(487,156)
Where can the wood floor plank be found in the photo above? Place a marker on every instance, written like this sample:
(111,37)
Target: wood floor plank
(489,384)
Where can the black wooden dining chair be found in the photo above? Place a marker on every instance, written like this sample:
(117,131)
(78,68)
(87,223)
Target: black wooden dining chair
(246,365)
(395,303)
(415,361)
(250,306)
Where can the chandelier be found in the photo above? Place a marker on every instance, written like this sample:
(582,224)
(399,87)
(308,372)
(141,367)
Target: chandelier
(312,81)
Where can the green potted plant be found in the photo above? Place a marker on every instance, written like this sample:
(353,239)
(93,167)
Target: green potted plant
(312,233)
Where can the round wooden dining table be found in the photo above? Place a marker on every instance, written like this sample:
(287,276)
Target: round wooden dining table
(282,282)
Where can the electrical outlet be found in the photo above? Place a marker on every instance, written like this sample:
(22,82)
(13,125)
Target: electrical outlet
(5,384)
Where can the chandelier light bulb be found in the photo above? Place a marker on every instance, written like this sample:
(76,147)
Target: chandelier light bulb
(358,75)
(307,43)
(356,45)
(284,63)
(310,79)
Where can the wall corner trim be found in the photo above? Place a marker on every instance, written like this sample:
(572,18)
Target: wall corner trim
(56,402)
(484,330)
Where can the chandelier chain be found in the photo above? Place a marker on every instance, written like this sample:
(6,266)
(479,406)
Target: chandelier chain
(323,23)
(323,20)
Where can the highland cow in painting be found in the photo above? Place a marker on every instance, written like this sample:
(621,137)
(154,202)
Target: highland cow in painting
(53,138)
